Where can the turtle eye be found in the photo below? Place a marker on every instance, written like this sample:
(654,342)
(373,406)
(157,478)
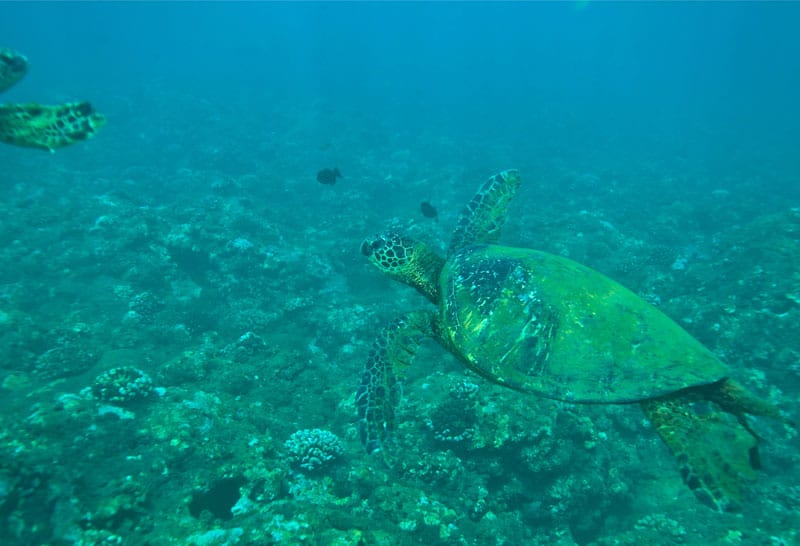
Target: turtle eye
(370,248)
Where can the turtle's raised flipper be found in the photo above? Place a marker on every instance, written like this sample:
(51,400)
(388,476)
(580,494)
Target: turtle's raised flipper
(483,217)
(13,67)
(48,127)
(717,456)
(379,392)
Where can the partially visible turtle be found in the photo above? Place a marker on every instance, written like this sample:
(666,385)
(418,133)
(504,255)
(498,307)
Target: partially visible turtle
(39,126)
(543,324)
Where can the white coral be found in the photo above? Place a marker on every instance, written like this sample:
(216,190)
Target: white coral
(311,449)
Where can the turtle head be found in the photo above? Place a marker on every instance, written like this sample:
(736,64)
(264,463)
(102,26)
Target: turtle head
(13,67)
(390,252)
(409,261)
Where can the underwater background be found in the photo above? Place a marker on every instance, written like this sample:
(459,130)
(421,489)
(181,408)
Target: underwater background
(185,312)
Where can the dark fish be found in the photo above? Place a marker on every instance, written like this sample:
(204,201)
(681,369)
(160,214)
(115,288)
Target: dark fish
(328,176)
(428,210)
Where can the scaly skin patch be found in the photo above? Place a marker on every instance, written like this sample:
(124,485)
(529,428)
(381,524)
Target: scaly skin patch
(406,260)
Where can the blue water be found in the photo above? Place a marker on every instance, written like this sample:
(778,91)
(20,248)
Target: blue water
(190,240)
(721,75)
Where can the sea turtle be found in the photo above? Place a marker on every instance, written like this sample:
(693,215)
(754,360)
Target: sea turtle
(39,126)
(543,324)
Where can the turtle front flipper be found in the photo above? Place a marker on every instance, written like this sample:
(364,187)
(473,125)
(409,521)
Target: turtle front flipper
(484,215)
(717,455)
(379,392)
(48,127)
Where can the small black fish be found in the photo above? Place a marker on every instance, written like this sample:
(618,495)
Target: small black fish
(328,176)
(428,210)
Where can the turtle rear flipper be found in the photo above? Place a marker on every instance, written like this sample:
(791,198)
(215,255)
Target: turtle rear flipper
(48,127)
(484,215)
(716,454)
(379,392)
(734,398)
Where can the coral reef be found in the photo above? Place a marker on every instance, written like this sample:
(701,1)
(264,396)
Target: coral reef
(313,449)
(173,329)
(122,385)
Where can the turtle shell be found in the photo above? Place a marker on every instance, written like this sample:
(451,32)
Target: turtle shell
(545,324)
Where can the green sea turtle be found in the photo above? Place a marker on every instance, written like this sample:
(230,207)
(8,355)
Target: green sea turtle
(543,324)
(40,126)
